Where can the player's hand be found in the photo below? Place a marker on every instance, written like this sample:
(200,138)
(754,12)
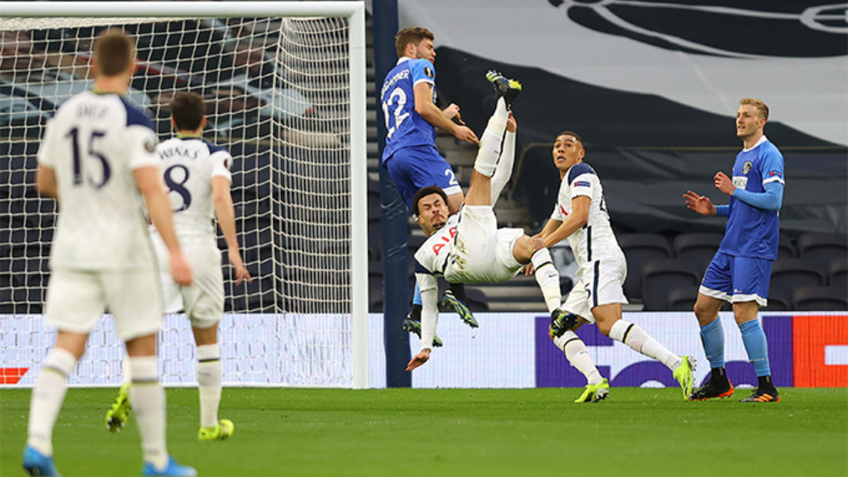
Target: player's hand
(464,133)
(723,183)
(698,203)
(241,271)
(528,269)
(180,269)
(452,113)
(511,125)
(419,359)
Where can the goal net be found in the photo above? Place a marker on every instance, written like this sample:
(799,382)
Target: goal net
(279,97)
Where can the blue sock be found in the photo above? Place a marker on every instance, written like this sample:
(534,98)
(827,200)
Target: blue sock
(416,298)
(712,337)
(756,345)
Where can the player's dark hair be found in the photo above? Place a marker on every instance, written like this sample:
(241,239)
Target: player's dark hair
(424,192)
(188,110)
(412,35)
(114,51)
(575,135)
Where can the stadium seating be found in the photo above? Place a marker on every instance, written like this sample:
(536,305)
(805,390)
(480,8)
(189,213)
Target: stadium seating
(778,303)
(697,249)
(838,274)
(682,299)
(824,248)
(639,250)
(819,299)
(661,276)
(791,273)
(785,248)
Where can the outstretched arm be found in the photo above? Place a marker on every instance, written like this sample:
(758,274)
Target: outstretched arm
(148,179)
(578,218)
(429,318)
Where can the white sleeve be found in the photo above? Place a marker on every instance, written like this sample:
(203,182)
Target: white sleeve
(584,184)
(222,161)
(428,285)
(557,214)
(45,150)
(141,144)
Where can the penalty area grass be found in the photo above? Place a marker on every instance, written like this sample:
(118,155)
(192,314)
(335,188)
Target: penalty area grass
(457,432)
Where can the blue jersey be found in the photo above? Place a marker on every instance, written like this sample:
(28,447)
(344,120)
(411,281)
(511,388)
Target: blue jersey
(753,232)
(406,128)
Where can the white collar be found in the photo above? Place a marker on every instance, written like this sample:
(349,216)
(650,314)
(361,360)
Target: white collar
(763,139)
(402,59)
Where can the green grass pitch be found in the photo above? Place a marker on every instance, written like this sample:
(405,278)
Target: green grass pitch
(458,432)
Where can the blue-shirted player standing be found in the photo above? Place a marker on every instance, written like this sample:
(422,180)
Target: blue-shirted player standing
(408,98)
(740,271)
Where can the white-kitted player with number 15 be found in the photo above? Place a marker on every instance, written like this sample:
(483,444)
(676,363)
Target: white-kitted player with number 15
(98,159)
(197,175)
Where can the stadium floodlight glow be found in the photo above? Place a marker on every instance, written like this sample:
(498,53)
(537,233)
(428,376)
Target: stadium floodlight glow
(284,84)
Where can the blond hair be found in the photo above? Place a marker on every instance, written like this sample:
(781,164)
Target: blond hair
(757,103)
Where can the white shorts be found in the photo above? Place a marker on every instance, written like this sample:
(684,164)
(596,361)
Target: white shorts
(76,299)
(482,252)
(203,300)
(601,283)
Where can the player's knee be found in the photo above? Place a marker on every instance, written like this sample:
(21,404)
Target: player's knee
(537,244)
(604,327)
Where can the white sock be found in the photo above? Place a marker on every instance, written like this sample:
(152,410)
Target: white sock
(148,403)
(547,277)
(47,397)
(490,142)
(635,337)
(209,383)
(577,354)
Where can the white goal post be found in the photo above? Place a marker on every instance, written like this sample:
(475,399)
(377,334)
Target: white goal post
(285,87)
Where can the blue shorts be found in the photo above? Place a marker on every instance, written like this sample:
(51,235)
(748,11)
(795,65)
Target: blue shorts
(413,168)
(737,279)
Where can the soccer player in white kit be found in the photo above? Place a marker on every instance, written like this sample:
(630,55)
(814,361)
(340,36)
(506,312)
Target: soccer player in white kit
(468,247)
(197,174)
(98,159)
(581,216)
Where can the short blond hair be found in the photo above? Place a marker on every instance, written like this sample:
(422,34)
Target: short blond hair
(757,103)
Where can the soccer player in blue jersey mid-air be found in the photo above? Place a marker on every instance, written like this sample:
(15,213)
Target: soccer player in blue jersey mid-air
(408,98)
(740,271)
(98,159)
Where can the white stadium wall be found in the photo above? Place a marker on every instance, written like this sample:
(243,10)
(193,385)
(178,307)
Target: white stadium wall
(507,351)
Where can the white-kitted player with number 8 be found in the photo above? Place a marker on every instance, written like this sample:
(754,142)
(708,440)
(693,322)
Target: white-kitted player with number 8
(197,175)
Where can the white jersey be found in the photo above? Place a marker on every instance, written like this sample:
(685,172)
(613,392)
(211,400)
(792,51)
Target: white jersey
(594,241)
(189,163)
(436,251)
(93,144)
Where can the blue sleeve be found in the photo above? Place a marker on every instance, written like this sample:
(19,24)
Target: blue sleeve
(772,166)
(722,210)
(422,70)
(771,199)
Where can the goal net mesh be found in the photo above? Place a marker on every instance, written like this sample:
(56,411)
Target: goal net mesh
(277,96)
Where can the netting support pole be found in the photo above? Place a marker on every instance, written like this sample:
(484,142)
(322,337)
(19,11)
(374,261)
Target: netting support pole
(358,199)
